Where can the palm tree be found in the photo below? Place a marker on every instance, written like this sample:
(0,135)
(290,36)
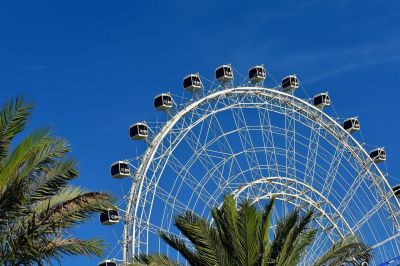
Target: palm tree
(38,208)
(240,236)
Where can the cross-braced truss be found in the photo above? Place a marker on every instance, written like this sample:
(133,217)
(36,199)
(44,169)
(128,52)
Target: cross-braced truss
(258,142)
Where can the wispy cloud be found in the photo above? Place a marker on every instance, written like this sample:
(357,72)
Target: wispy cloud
(337,61)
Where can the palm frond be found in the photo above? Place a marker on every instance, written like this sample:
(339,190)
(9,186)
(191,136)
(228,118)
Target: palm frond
(13,117)
(303,241)
(19,172)
(281,232)
(56,247)
(71,206)
(154,260)
(24,157)
(201,234)
(265,247)
(295,232)
(240,236)
(348,250)
(37,205)
(226,221)
(54,180)
(249,220)
(179,245)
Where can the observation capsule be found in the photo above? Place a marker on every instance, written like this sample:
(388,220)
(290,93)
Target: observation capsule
(351,124)
(139,131)
(109,217)
(257,74)
(192,82)
(224,73)
(396,190)
(290,83)
(378,155)
(120,169)
(322,100)
(163,102)
(107,263)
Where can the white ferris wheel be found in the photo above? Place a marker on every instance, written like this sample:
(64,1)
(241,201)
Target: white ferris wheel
(255,142)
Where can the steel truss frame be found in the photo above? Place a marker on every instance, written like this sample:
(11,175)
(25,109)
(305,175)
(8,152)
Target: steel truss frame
(300,193)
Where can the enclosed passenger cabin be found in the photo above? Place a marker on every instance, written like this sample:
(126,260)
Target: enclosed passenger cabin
(396,190)
(109,217)
(290,83)
(257,74)
(107,263)
(163,102)
(378,155)
(139,131)
(192,82)
(351,124)
(322,100)
(120,169)
(224,73)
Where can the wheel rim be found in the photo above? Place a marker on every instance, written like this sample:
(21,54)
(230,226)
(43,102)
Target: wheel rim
(367,208)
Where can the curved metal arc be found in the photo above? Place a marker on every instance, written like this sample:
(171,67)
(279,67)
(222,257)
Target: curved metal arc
(150,152)
(276,179)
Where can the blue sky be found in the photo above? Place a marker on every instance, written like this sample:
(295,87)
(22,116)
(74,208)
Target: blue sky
(93,67)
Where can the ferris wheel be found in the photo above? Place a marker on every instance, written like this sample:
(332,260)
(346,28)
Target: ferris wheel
(256,142)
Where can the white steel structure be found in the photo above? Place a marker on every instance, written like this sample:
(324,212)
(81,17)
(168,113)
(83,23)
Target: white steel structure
(258,142)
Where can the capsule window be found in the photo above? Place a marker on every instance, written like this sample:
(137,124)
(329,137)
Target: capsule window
(286,83)
(192,82)
(109,217)
(252,73)
(378,155)
(348,124)
(321,100)
(107,263)
(374,154)
(228,71)
(224,73)
(196,80)
(115,170)
(124,168)
(187,82)
(257,74)
(167,100)
(158,101)
(290,83)
(318,101)
(351,125)
(396,190)
(120,169)
(134,131)
(138,131)
(219,73)
(163,102)
(142,129)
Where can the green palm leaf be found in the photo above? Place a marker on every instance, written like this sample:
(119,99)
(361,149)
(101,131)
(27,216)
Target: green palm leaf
(249,220)
(348,250)
(179,245)
(226,222)
(154,260)
(55,179)
(201,234)
(13,117)
(38,206)
(265,247)
(241,236)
